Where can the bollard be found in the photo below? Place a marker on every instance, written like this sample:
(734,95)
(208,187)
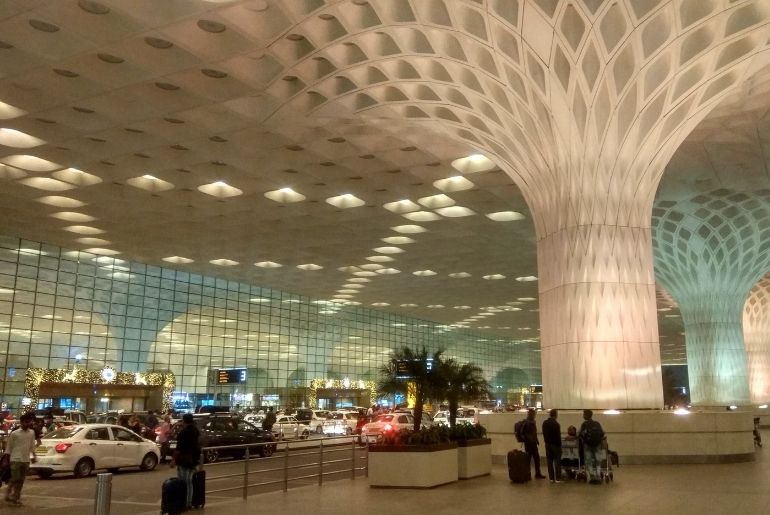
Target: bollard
(103,494)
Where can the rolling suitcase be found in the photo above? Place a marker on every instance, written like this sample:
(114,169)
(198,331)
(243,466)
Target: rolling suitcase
(173,499)
(199,489)
(518,466)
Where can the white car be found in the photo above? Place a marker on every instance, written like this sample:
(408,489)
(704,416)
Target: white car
(84,448)
(340,423)
(464,416)
(254,418)
(287,426)
(385,425)
(314,419)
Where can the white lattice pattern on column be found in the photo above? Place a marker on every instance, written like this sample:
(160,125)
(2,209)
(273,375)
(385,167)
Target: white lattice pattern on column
(756,336)
(709,251)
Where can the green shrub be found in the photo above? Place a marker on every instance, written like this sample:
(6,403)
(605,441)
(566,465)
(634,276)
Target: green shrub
(461,432)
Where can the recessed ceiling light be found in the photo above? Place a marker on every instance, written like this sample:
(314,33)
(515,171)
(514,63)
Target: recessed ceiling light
(223,262)
(424,273)
(179,260)
(473,164)
(220,189)
(285,196)
(379,259)
(462,307)
(436,201)
(493,277)
(505,216)
(72,216)
(359,280)
(46,183)
(459,275)
(259,300)
(409,305)
(77,177)
(365,273)
(348,269)
(352,292)
(388,271)
(388,250)
(398,240)
(526,279)
(309,266)
(401,206)
(101,252)
(371,266)
(150,183)
(10,173)
(93,241)
(342,296)
(380,304)
(455,183)
(422,216)
(526,299)
(345,201)
(435,306)
(82,229)
(17,139)
(354,286)
(30,163)
(409,229)
(268,264)
(66,202)
(455,211)
(7,111)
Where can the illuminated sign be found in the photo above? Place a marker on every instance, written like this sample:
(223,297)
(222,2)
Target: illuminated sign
(231,375)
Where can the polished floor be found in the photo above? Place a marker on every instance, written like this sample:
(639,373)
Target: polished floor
(741,488)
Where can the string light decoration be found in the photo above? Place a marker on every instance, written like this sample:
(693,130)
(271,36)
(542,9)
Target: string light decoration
(36,376)
(339,384)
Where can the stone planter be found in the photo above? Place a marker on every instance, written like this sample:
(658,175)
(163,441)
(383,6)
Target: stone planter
(474,458)
(412,466)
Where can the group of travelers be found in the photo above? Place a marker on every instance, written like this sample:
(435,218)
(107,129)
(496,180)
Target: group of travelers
(590,437)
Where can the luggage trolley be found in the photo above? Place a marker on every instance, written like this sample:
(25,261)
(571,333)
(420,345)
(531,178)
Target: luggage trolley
(605,462)
(570,458)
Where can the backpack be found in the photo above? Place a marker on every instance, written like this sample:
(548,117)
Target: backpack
(518,430)
(592,434)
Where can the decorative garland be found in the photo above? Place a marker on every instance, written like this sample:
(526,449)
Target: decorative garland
(36,376)
(339,384)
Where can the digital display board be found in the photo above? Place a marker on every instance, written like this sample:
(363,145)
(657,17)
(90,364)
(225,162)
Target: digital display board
(231,375)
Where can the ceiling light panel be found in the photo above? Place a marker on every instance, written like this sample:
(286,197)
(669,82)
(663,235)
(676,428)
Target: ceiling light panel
(455,211)
(152,184)
(388,271)
(473,164)
(424,273)
(178,260)
(505,216)
(388,250)
(18,139)
(83,229)
(8,112)
(285,196)
(10,173)
(220,189)
(46,184)
(77,177)
(101,252)
(30,163)
(526,279)
(422,216)
(345,201)
(409,229)
(401,206)
(309,266)
(459,275)
(398,240)
(379,259)
(493,277)
(223,262)
(436,201)
(268,264)
(455,183)
(72,216)
(93,241)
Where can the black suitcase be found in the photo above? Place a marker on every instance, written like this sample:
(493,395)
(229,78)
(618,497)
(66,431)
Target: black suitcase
(173,498)
(199,489)
(518,466)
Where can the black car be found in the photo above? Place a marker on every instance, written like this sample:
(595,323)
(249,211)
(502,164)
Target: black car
(226,430)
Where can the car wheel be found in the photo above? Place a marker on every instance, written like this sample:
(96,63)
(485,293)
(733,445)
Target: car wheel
(44,474)
(149,462)
(266,451)
(84,467)
(211,455)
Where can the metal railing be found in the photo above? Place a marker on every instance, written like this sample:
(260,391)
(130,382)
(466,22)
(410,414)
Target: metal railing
(356,459)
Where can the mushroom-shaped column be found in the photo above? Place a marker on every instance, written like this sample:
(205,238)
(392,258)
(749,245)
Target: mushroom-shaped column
(756,336)
(710,250)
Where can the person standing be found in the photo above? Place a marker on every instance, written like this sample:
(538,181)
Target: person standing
(552,441)
(21,448)
(267,424)
(152,420)
(591,436)
(531,442)
(163,433)
(187,454)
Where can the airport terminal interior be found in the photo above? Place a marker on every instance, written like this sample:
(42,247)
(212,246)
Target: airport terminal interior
(252,203)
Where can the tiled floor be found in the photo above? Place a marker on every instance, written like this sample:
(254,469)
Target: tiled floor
(742,488)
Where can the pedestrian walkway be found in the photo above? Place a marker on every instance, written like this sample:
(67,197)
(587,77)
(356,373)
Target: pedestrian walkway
(742,488)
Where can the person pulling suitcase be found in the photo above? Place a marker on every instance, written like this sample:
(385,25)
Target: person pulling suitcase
(187,455)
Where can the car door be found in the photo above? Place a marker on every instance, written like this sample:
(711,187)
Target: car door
(100,447)
(128,447)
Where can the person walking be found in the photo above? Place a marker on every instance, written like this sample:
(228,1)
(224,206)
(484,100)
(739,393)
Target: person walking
(552,441)
(591,435)
(163,434)
(187,454)
(531,442)
(21,448)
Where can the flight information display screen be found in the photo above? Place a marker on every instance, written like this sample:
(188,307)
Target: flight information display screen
(231,375)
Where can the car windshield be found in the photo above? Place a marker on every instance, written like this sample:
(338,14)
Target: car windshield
(63,433)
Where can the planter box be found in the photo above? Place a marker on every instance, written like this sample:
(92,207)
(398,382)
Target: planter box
(474,458)
(412,466)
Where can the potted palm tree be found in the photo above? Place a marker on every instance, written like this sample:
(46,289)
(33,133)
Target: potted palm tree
(413,458)
(465,382)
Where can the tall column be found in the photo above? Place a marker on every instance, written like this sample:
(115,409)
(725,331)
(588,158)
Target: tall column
(756,336)
(709,252)
(599,336)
